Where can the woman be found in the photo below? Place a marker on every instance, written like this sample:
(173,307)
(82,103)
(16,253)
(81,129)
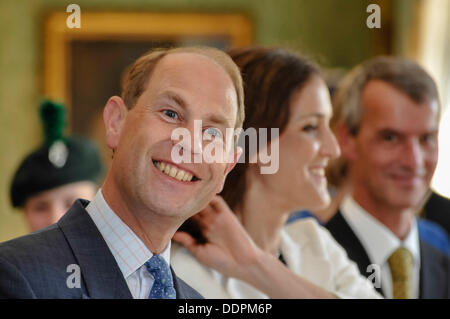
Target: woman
(285,91)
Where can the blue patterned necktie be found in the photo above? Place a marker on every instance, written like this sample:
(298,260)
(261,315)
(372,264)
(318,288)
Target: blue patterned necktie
(163,284)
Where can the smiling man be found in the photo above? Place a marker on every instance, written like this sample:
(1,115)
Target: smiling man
(387,110)
(118,245)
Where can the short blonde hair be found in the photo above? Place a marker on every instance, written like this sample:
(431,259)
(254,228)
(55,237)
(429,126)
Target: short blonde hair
(137,76)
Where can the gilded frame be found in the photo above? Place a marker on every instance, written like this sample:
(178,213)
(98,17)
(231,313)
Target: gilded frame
(115,25)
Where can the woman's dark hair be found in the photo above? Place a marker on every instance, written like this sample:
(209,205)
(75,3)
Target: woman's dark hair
(270,77)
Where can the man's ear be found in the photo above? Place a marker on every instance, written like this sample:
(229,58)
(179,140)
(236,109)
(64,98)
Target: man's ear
(346,142)
(114,115)
(237,152)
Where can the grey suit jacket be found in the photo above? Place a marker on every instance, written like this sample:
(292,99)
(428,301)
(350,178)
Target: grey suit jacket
(45,264)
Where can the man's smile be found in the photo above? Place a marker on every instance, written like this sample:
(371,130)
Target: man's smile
(175,171)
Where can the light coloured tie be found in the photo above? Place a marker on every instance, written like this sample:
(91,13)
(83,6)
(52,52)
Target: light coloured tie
(401,263)
(163,284)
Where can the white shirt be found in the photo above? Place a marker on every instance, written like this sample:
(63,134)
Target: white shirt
(379,242)
(309,250)
(126,247)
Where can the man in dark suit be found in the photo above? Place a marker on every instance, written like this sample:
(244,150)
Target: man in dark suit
(386,121)
(118,245)
(437,209)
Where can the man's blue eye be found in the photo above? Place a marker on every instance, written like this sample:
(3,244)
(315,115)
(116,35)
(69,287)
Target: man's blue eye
(213,131)
(171,114)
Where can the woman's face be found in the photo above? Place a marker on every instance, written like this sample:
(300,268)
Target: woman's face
(306,145)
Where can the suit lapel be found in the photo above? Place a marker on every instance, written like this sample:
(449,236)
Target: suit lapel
(184,291)
(345,236)
(99,269)
(176,284)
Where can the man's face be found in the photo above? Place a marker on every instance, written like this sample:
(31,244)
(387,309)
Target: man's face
(183,87)
(394,154)
(46,208)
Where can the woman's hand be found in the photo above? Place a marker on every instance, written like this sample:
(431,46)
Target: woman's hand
(229,249)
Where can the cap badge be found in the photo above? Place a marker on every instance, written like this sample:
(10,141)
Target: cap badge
(58,153)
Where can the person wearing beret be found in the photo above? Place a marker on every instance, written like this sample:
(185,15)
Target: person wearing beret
(54,175)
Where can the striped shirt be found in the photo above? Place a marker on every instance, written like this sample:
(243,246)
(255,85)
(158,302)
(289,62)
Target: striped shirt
(126,247)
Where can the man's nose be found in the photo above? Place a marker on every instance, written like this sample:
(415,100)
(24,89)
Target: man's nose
(413,155)
(191,142)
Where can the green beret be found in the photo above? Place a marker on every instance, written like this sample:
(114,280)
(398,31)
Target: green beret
(58,161)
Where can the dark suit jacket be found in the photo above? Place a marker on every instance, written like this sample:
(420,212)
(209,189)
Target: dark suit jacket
(437,209)
(434,265)
(36,265)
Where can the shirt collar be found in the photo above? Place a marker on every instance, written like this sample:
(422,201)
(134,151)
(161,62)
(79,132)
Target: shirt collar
(127,248)
(377,239)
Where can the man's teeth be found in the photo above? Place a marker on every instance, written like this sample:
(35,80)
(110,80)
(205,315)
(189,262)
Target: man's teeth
(318,171)
(174,172)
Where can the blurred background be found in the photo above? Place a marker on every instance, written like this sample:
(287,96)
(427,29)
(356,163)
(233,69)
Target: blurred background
(41,56)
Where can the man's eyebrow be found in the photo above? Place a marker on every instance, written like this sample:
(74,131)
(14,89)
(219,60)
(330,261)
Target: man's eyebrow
(220,120)
(175,97)
(213,117)
(434,131)
(388,130)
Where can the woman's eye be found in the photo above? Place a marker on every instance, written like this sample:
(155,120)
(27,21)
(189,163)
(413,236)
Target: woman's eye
(310,128)
(171,114)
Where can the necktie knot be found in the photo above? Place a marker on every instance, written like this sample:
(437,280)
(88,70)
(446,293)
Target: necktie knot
(401,265)
(163,282)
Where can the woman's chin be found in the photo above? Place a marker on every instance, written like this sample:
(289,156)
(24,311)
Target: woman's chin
(318,202)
